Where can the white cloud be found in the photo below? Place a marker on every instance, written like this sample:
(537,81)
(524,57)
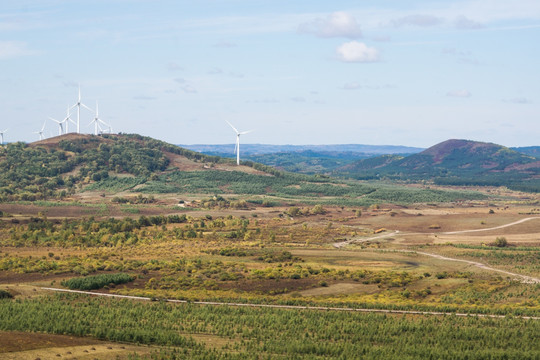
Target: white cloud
(355,51)
(188,89)
(13,49)
(418,20)
(465,23)
(224,44)
(338,24)
(459,93)
(215,71)
(351,86)
(356,85)
(172,66)
(518,100)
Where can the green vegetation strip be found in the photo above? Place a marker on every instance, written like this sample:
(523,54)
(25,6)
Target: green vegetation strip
(275,333)
(296,307)
(97,281)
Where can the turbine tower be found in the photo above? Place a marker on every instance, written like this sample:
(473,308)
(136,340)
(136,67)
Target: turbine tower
(67,119)
(40,133)
(96,122)
(78,105)
(2,136)
(237,146)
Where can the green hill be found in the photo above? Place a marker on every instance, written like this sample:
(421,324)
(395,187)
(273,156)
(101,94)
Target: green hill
(60,167)
(455,162)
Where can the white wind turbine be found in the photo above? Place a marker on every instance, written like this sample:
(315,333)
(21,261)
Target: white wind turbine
(237,146)
(97,128)
(2,136)
(40,133)
(66,120)
(78,106)
(60,125)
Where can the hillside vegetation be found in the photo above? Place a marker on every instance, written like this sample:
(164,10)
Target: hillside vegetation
(70,164)
(455,162)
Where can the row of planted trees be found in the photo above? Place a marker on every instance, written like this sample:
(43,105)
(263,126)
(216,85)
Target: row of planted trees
(302,334)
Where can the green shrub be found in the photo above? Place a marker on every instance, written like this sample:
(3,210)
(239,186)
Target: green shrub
(97,281)
(4,294)
(501,241)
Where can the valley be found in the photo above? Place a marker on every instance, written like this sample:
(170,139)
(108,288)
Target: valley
(196,257)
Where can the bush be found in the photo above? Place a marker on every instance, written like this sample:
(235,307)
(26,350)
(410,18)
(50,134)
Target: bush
(501,242)
(318,210)
(4,294)
(442,275)
(97,281)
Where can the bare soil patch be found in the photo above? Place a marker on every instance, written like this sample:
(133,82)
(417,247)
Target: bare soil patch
(13,341)
(341,288)
(270,285)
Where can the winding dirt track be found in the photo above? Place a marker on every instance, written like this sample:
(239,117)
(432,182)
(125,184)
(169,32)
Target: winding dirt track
(522,278)
(295,307)
(493,228)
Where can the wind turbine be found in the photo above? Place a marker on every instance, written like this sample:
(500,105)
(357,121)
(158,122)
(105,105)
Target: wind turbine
(40,133)
(2,136)
(78,106)
(96,122)
(66,120)
(237,146)
(60,126)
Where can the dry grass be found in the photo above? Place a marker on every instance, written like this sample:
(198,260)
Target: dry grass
(30,346)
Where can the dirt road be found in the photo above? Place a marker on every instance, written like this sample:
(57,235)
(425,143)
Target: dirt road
(489,229)
(522,278)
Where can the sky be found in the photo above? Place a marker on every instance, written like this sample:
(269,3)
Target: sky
(379,72)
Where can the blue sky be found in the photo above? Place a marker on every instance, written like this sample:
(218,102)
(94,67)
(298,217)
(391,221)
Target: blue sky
(296,72)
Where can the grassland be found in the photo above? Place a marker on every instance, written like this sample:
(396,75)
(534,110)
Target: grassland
(264,255)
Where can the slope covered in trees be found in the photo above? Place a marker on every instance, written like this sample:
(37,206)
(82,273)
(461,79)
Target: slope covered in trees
(63,166)
(455,162)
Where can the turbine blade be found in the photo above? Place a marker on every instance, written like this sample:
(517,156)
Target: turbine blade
(86,107)
(236,131)
(245,132)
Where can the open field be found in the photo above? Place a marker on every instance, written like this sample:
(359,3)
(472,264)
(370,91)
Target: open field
(420,257)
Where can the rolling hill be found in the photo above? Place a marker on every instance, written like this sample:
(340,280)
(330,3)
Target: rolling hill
(259,149)
(69,165)
(305,159)
(455,162)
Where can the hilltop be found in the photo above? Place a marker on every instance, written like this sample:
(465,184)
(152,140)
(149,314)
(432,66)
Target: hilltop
(455,162)
(63,165)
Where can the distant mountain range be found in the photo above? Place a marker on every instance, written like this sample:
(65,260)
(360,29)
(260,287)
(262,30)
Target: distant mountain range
(258,149)
(454,162)
(529,150)
(355,160)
